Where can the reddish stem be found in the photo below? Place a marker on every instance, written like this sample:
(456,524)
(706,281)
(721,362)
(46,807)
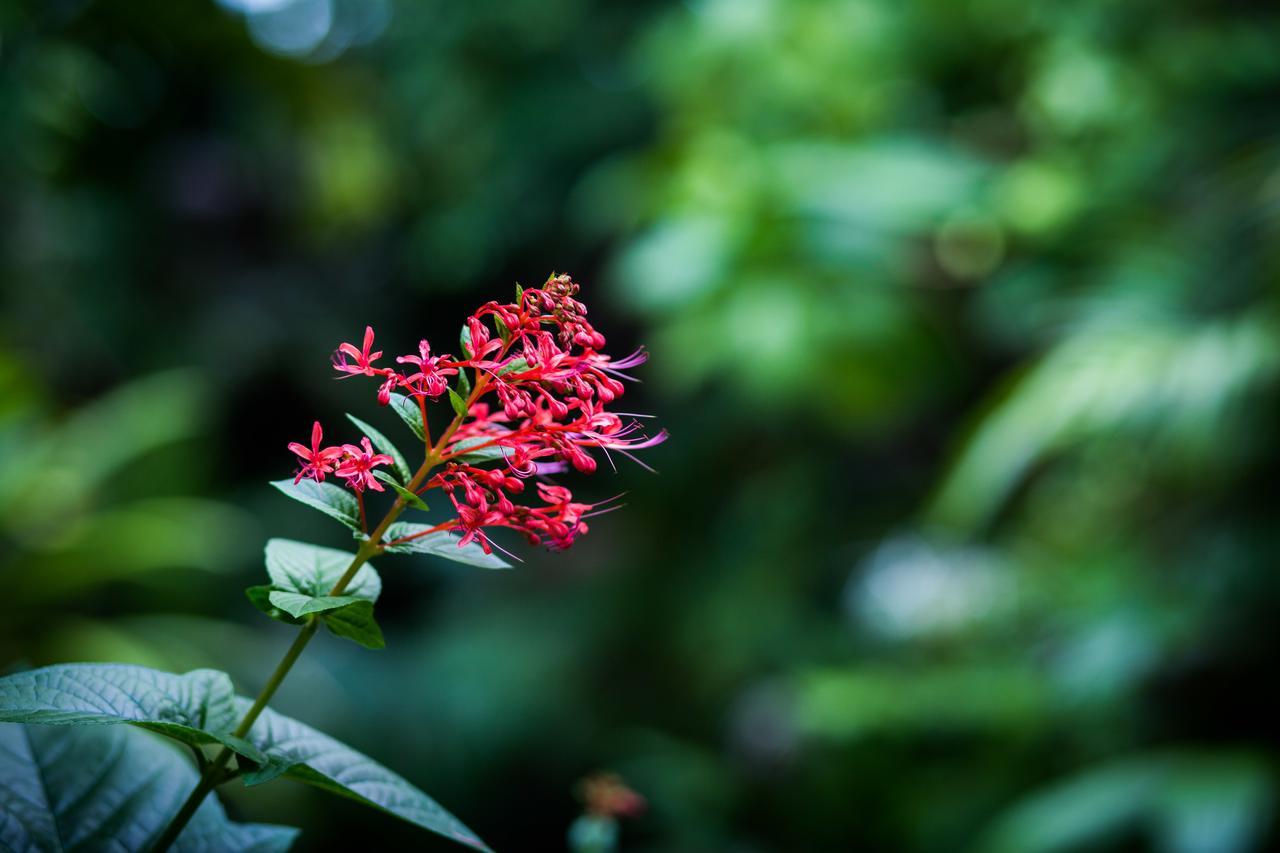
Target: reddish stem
(441,526)
(426,427)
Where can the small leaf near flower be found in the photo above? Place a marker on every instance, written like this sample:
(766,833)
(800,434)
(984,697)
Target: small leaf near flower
(410,498)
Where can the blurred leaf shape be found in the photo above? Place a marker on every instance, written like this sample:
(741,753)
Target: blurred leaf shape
(855,703)
(898,185)
(147,535)
(1187,802)
(675,262)
(62,465)
(910,588)
(58,498)
(1180,387)
(109,788)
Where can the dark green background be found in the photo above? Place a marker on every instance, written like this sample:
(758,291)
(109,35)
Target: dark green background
(963,317)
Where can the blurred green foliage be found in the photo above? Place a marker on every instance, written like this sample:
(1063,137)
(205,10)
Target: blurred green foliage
(964,318)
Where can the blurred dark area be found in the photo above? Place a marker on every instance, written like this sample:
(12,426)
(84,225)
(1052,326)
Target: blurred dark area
(964,319)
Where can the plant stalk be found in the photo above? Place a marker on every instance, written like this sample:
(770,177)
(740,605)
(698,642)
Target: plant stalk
(212,774)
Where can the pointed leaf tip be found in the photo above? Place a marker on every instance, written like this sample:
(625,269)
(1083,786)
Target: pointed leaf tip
(410,498)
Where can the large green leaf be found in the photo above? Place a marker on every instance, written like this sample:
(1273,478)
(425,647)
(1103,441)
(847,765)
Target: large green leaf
(299,752)
(440,544)
(71,694)
(109,789)
(196,708)
(410,412)
(334,501)
(384,445)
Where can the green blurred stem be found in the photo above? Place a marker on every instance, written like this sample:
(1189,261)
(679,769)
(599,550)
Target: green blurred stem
(213,773)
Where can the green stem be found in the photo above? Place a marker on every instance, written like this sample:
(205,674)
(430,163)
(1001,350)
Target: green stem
(213,771)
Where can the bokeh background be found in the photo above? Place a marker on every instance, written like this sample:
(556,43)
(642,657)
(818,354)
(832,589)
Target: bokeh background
(964,317)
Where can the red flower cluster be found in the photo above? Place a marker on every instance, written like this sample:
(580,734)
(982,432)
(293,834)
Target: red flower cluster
(537,405)
(482,499)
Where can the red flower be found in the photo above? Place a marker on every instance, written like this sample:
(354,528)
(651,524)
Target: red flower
(358,464)
(431,377)
(385,389)
(316,462)
(480,344)
(363,358)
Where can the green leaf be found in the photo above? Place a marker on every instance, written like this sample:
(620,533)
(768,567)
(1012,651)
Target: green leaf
(384,445)
(345,615)
(464,338)
(503,331)
(355,622)
(411,413)
(197,708)
(489,453)
(516,365)
(260,597)
(99,788)
(519,293)
(333,501)
(312,570)
(464,383)
(301,753)
(1175,793)
(459,404)
(298,605)
(302,576)
(410,498)
(441,543)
